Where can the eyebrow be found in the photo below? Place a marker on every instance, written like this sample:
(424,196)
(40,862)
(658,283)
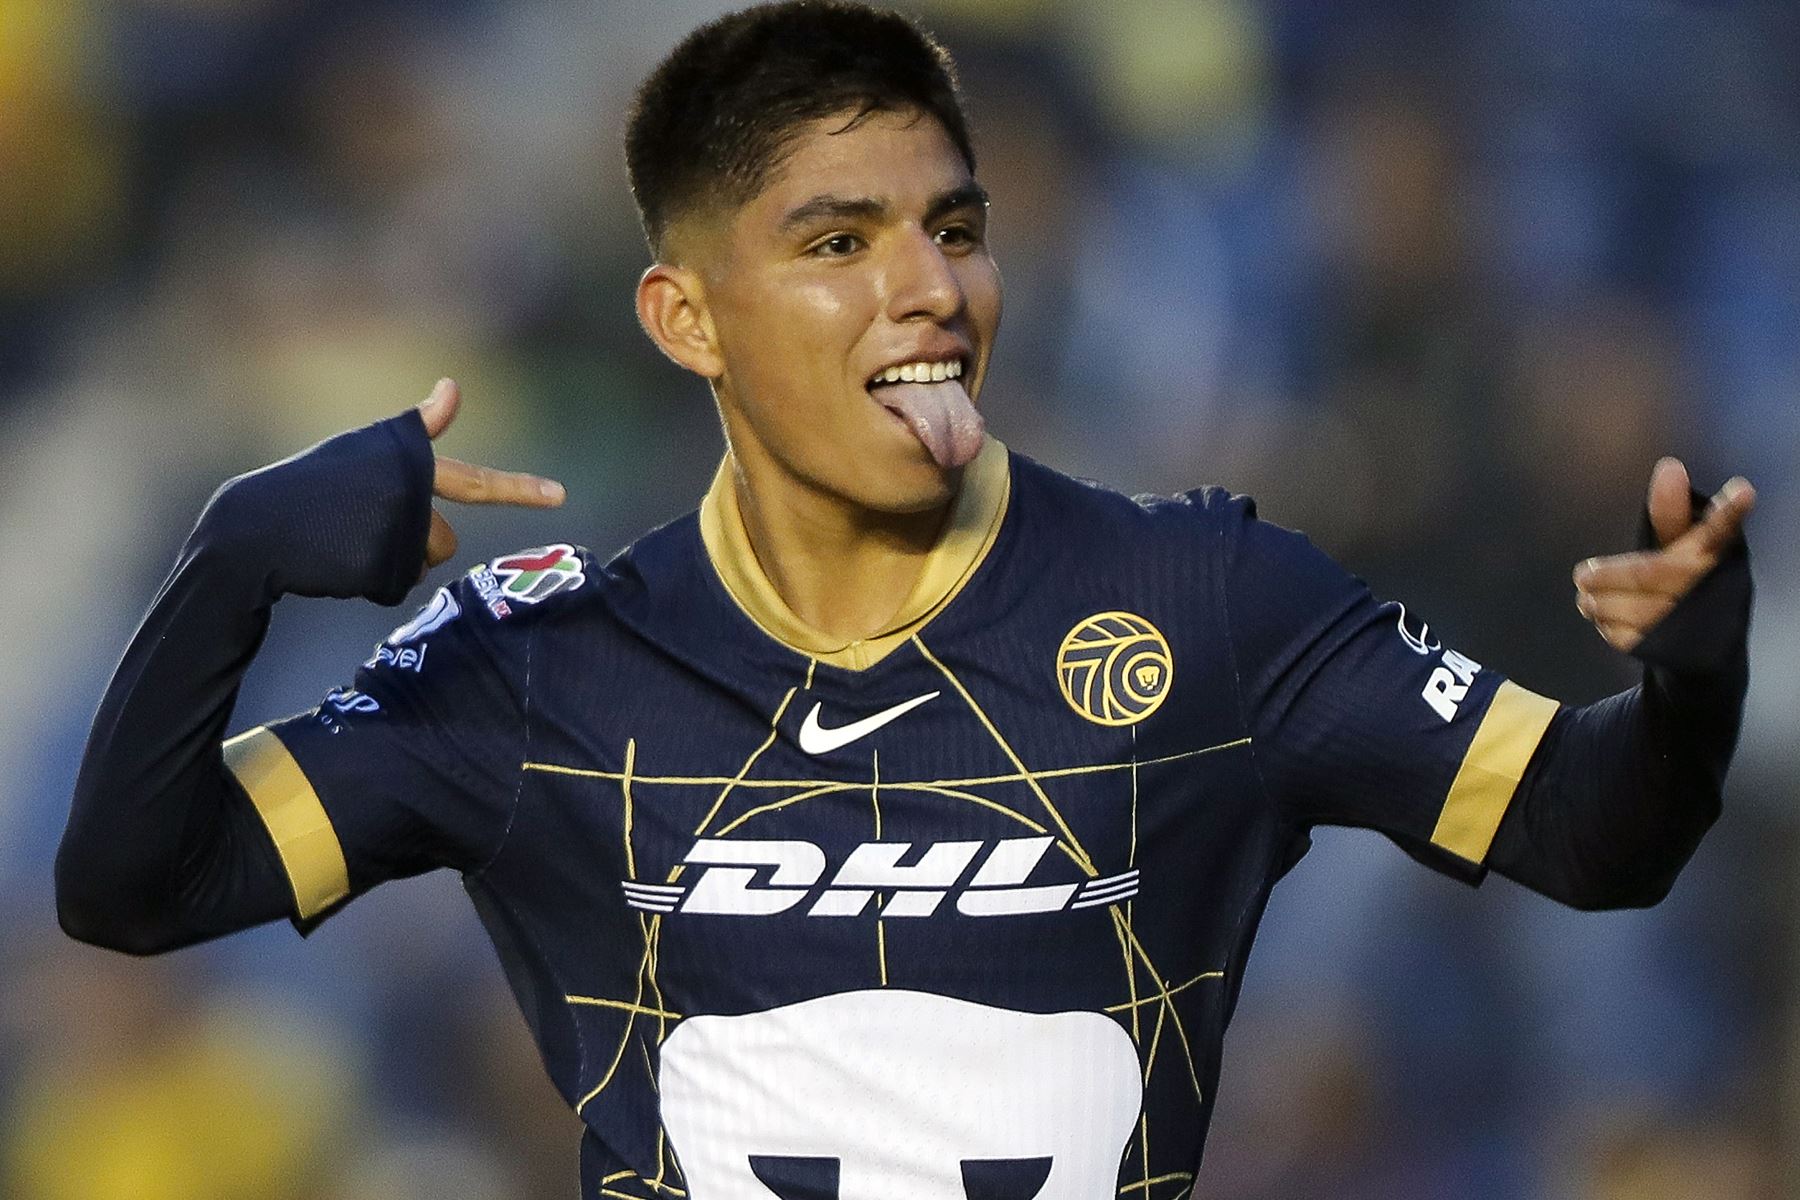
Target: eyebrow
(842,208)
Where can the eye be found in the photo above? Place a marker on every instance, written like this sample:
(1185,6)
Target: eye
(958,237)
(838,245)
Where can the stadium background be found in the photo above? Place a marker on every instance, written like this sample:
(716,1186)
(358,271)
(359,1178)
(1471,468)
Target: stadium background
(1436,282)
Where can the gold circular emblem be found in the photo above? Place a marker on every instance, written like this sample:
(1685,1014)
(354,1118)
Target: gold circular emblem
(1114,668)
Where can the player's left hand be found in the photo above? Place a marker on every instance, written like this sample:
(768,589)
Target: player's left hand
(1625,595)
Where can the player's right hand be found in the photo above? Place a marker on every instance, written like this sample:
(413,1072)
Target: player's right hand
(467,483)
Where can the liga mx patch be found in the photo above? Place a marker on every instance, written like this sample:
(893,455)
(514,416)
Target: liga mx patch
(536,575)
(1114,668)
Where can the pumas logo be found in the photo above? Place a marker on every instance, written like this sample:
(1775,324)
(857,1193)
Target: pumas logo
(1114,668)
(889,1092)
(816,739)
(536,575)
(747,877)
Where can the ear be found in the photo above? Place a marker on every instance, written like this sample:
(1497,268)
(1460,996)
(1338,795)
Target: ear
(671,306)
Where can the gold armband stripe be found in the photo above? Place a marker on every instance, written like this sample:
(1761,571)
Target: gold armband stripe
(1491,770)
(289,806)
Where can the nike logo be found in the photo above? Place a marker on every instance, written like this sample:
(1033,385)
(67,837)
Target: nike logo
(816,739)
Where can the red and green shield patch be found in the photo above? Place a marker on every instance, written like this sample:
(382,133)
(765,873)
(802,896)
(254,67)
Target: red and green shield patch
(536,575)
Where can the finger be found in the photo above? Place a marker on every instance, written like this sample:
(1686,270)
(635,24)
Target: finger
(1662,572)
(439,408)
(440,543)
(1723,521)
(1671,508)
(471,484)
(1621,637)
(1638,610)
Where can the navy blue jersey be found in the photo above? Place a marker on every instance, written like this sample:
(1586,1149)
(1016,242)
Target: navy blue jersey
(960,910)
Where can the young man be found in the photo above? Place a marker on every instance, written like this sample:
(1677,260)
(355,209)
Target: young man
(898,823)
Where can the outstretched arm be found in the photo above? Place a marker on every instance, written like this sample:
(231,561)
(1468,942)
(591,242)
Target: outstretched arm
(1362,716)
(1620,792)
(163,848)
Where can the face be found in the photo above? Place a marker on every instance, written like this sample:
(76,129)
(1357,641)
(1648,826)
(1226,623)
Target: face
(865,252)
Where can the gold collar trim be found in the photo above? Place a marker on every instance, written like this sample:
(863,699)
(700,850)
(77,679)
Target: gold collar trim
(975,518)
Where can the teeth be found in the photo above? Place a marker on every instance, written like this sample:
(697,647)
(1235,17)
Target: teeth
(920,372)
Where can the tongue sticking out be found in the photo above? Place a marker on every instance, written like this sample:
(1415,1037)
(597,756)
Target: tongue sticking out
(942,417)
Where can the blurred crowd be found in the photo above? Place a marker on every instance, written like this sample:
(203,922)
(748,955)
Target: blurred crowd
(1435,282)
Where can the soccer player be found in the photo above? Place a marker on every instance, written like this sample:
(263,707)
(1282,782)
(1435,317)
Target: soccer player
(898,823)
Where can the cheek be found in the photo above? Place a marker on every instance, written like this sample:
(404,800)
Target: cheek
(821,304)
(791,341)
(982,288)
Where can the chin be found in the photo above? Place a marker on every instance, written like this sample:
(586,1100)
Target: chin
(913,484)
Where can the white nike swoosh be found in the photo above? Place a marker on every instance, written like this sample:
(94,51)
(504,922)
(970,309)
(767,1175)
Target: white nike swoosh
(816,739)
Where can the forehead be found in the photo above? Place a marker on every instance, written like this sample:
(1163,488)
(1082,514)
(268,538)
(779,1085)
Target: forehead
(902,158)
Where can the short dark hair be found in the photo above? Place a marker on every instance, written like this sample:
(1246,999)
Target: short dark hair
(718,115)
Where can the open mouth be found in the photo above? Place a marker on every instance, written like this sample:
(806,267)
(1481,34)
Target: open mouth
(922,371)
(927,396)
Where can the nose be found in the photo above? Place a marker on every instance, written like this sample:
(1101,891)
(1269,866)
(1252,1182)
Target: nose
(921,281)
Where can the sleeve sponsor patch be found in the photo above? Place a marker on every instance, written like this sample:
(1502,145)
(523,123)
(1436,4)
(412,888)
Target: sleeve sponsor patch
(438,612)
(529,577)
(1453,674)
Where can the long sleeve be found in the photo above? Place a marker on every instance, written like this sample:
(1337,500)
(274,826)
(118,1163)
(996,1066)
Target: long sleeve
(1620,792)
(1363,717)
(163,848)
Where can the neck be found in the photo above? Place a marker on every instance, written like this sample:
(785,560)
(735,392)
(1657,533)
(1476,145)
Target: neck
(842,568)
(844,585)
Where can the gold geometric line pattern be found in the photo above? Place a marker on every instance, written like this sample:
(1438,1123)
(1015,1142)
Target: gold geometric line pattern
(1131,858)
(1131,947)
(880,925)
(953,793)
(646,972)
(1168,1004)
(1132,950)
(1180,987)
(1086,863)
(656,1185)
(625,1039)
(650,925)
(662,1159)
(1172,1177)
(1131,970)
(642,1009)
(625,786)
(971,781)
(774,732)
(828,788)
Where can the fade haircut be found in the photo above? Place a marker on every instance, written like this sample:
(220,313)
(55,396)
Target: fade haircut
(719,114)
